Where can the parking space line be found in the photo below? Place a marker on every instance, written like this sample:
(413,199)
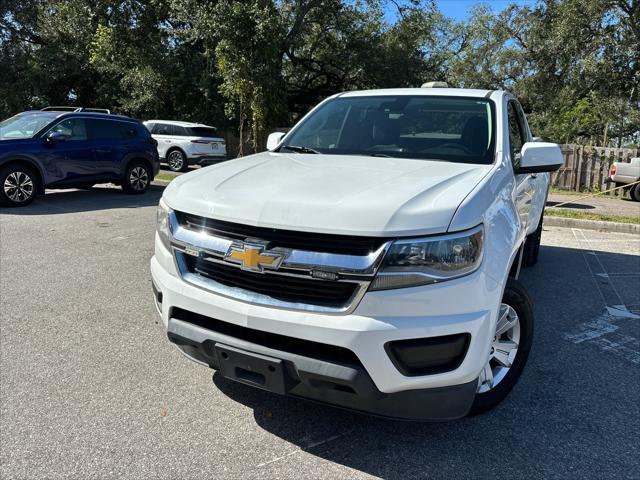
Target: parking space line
(626,274)
(607,289)
(603,330)
(305,448)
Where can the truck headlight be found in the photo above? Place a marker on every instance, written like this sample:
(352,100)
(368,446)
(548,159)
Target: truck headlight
(162,224)
(413,262)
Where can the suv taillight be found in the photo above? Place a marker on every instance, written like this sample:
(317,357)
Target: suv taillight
(153,141)
(612,172)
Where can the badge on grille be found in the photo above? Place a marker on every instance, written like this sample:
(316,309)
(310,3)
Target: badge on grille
(193,251)
(254,257)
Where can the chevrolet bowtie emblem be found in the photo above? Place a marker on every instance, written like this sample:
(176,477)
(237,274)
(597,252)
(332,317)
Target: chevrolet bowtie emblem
(254,257)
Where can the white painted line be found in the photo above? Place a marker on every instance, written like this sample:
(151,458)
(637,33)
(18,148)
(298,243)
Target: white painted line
(603,331)
(304,449)
(620,311)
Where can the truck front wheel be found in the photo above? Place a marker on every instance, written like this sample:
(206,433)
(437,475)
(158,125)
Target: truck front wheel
(509,348)
(635,192)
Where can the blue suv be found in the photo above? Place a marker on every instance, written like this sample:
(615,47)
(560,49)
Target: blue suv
(53,148)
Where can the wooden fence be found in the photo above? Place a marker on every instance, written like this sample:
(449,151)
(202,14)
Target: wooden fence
(586,168)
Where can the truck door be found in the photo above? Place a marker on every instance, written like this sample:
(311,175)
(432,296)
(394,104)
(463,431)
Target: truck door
(518,136)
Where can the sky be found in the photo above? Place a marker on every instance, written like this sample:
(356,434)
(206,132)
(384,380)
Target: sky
(459,9)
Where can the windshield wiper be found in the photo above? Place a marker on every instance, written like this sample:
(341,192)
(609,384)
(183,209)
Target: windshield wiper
(297,149)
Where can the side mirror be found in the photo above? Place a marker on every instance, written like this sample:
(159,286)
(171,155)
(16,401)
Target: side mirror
(538,157)
(55,137)
(274,139)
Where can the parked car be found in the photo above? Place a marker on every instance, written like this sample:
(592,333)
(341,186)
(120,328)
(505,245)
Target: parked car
(181,144)
(623,173)
(369,259)
(73,149)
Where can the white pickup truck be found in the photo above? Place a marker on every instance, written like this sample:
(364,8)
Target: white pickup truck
(623,173)
(369,259)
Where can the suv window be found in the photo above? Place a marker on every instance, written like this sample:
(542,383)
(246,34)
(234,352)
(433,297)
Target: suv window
(106,129)
(517,136)
(73,129)
(179,131)
(132,131)
(203,132)
(162,129)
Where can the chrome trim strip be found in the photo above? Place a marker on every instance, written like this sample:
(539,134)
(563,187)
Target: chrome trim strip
(254,298)
(298,259)
(215,245)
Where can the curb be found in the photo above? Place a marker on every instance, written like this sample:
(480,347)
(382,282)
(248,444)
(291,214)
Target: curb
(599,225)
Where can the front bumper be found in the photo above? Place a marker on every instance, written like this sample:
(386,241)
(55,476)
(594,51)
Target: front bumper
(465,305)
(344,386)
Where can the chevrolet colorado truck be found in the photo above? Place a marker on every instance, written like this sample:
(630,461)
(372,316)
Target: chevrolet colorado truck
(368,259)
(627,173)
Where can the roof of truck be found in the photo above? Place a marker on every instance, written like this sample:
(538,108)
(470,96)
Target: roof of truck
(444,92)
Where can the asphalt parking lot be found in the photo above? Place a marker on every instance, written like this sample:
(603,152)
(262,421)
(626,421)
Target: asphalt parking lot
(91,388)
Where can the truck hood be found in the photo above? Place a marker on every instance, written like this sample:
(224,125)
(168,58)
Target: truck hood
(352,195)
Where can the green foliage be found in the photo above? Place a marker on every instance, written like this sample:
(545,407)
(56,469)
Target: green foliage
(258,64)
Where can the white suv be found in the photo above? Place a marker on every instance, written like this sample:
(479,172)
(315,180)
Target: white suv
(181,144)
(369,260)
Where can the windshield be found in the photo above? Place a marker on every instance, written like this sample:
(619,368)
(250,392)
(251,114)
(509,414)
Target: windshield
(25,125)
(456,129)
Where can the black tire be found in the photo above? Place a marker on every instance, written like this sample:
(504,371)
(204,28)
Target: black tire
(516,297)
(634,193)
(137,178)
(19,185)
(532,246)
(177,160)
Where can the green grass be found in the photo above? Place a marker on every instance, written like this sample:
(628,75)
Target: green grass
(165,176)
(566,192)
(605,217)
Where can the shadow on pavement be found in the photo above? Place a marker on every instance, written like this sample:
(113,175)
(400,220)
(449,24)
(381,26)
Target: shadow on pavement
(578,206)
(96,198)
(559,420)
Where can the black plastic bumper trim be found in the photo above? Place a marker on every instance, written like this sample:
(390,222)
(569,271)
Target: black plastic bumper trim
(344,386)
(429,355)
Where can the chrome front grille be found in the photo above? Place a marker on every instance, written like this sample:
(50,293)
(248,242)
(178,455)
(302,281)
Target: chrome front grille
(295,240)
(320,280)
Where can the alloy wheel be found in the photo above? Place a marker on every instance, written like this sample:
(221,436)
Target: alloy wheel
(176,160)
(504,349)
(18,186)
(139,178)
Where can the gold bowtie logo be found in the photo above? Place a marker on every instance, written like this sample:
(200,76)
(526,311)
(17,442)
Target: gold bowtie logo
(253,257)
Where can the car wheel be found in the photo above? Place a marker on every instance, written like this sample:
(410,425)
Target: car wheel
(509,349)
(137,178)
(635,193)
(177,161)
(532,246)
(19,186)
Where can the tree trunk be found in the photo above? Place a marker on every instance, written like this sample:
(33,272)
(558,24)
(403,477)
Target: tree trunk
(241,129)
